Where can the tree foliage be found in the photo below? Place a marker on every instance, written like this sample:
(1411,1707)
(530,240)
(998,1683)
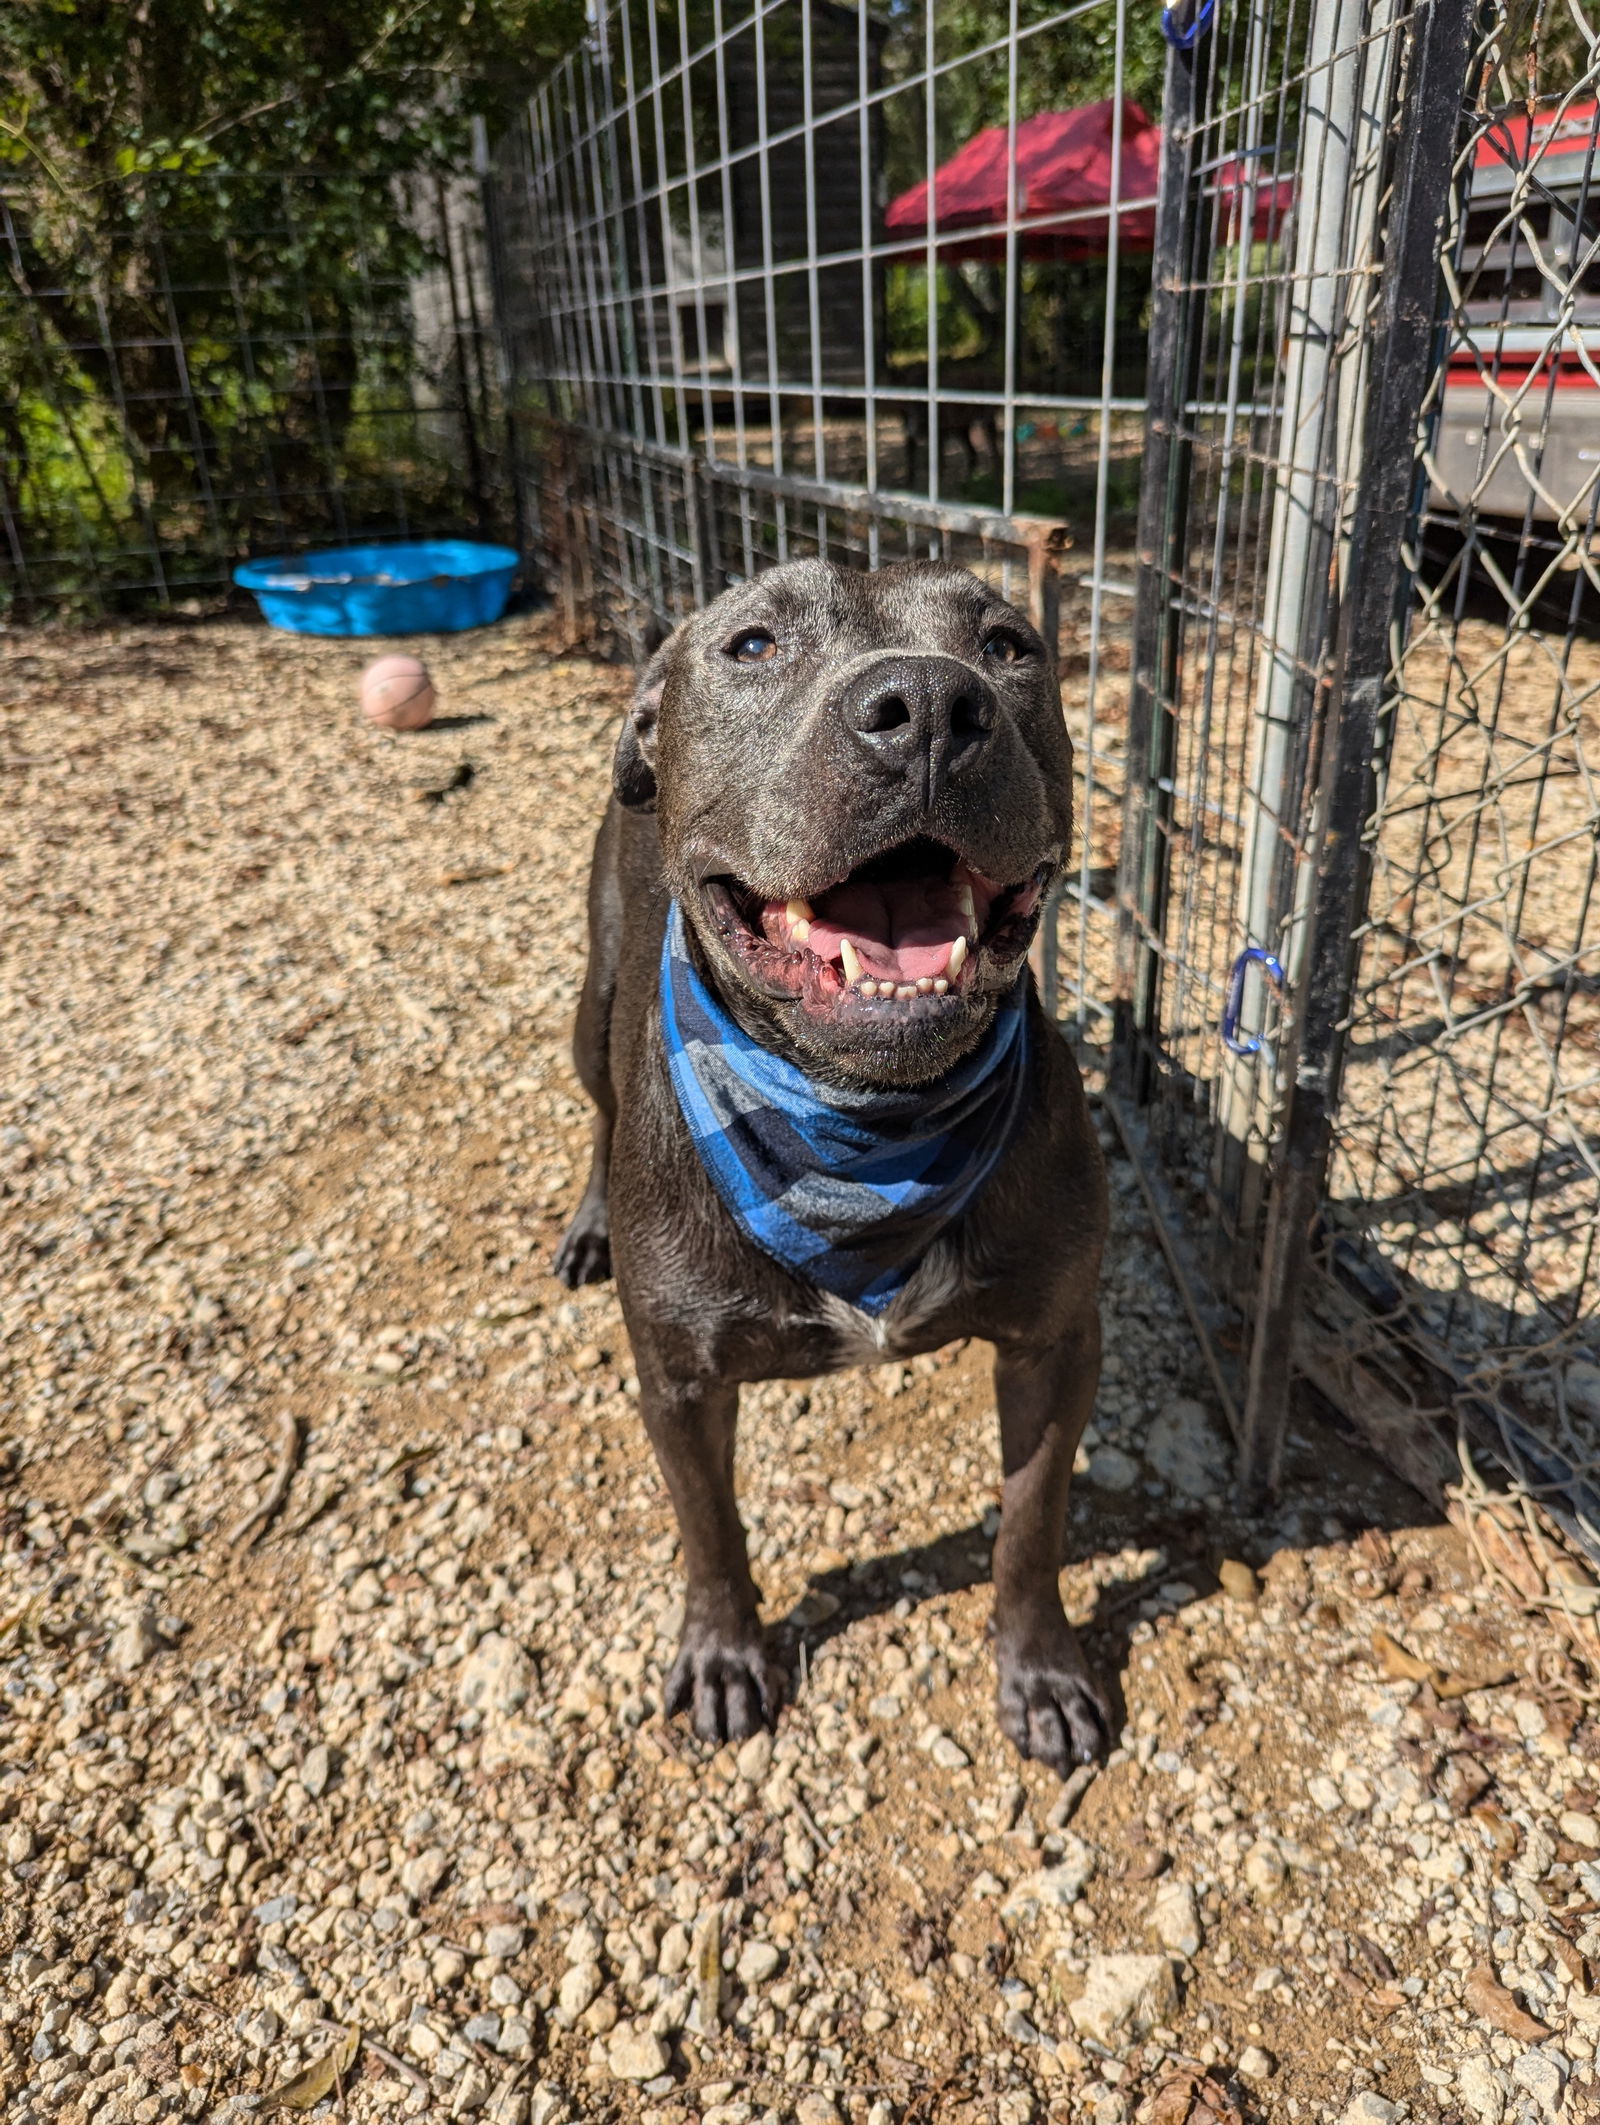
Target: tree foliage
(210,246)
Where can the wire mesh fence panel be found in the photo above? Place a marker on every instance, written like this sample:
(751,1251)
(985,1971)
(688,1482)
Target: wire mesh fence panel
(240,364)
(1360,975)
(1461,1284)
(1274,206)
(792,278)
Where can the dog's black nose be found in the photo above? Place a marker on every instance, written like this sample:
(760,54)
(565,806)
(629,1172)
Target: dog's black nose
(928,715)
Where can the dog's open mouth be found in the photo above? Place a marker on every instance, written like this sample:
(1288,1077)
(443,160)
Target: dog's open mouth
(910,927)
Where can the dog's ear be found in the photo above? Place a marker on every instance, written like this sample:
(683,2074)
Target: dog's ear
(633,769)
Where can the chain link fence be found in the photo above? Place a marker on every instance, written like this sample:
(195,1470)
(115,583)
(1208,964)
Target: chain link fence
(238,364)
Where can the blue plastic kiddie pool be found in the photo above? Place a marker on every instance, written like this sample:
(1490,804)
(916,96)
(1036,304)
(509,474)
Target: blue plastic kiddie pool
(424,587)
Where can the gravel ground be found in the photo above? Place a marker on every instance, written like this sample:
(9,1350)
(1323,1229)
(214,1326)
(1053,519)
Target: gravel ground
(337,1587)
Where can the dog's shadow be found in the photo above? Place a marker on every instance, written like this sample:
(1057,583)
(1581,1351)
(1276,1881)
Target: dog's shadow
(951,1564)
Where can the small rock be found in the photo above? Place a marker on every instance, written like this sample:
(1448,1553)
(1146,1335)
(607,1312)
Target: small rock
(1324,1794)
(1175,1918)
(1054,1888)
(1265,1871)
(947,1753)
(1125,1994)
(1367,2107)
(1186,1451)
(19,1845)
(420,1876)
(1581,1829)
(637,2055)
(1479,2087)
(548,2105)
(136,1642)
(317,1769)
(504,1942)
(1113,1470)
(579,1988)
(1238,1581)
(815,2109)
(754,1759)
(1543,2078)
(509,1438)
(758,1961)
(495,1678)
(1255,2064)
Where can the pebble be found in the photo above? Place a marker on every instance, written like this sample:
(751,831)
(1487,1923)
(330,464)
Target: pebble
(1367,2107)
(137,1641)
(316,1770)
(1175,1918)
(1255,2064)
(1110,1469)
(637,2055)
(1124,1995)
(758,1960)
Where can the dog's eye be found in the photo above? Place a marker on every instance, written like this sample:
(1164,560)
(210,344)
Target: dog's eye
(755,647)
(1005,647)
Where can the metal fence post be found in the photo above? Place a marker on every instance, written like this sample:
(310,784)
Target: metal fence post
(1162,527)
(1403,358)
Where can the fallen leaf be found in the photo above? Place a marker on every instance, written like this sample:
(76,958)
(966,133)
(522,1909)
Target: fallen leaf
(308,2087)
(1400,1666)
(1449,1687)
(1397,1663)
(1490,2002)
(1190,2097)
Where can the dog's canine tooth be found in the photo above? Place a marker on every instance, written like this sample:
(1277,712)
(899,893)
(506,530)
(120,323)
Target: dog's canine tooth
(800,930)
(964,890)
(958,957)
(801,916)
(941,987)
(924,985)
(852,961)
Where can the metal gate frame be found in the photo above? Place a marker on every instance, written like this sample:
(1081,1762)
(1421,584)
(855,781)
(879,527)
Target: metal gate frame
(1271,1318)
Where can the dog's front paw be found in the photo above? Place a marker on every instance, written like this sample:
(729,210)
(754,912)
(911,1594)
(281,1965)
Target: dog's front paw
(584,1256)
(724,1681)
(1051,1707)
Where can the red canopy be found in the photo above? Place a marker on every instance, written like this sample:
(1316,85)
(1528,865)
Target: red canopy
(1064,174)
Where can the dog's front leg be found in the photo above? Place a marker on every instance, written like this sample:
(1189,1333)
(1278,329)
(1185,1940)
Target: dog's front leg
(1050,1704)
(721,1676)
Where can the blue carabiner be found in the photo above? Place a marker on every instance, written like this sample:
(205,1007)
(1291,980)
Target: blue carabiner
(1251,956)
(1186,23)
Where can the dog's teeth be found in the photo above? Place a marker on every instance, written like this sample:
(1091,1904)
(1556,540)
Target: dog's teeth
(800,912)
(869,988)
(905,992)
(924,985)
(964,892)
(852,961)
(941,986)
(800,930)
(958,957)
(886,988)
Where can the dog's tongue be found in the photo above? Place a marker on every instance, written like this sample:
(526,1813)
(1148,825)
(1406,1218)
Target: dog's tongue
(903,929)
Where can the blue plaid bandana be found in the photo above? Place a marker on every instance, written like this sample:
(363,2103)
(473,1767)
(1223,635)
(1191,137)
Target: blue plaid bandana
(849,1189)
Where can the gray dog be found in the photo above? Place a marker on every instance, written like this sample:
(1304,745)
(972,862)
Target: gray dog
(832,1124)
